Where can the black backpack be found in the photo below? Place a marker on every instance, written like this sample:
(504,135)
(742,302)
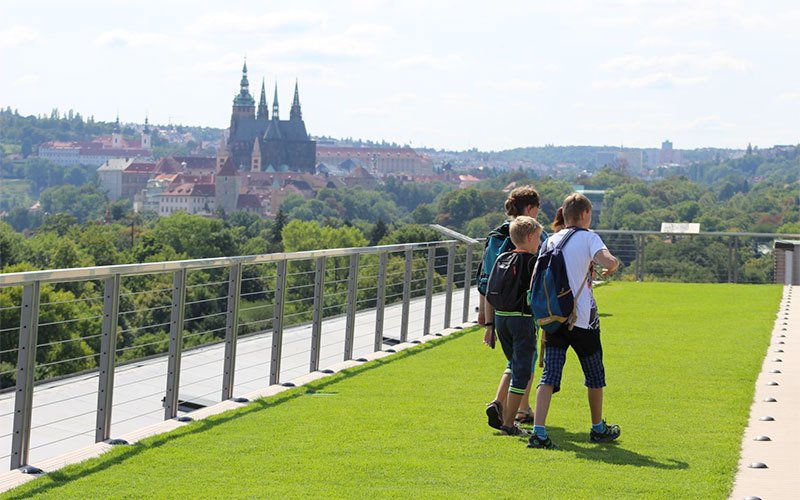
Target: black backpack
(504,288)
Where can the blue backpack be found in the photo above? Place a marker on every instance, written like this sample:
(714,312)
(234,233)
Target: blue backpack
(551,299)
(498,242)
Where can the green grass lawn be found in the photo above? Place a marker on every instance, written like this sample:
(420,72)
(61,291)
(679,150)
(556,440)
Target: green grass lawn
(681,361)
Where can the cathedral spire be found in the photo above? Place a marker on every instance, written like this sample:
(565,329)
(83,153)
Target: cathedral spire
(243,98)
(275,103)
(117,128)
(296,113)
(263,113)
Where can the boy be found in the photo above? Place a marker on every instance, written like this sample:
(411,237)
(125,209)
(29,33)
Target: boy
(584,248)
(507,292)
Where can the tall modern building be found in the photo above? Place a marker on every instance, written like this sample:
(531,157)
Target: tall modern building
(258,142)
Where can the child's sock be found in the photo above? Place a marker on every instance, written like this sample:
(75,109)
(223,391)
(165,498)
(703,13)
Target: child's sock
(599,427)
(540,431)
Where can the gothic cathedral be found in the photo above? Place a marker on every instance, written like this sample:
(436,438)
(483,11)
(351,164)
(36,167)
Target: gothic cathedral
(258,142)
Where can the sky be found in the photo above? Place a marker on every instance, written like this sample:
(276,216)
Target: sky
(441,74)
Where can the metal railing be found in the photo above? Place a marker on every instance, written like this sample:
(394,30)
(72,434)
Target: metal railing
(86,354)
(704,257)
(95,352)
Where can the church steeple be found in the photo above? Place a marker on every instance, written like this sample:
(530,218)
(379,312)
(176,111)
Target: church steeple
(275,103)
(243,99)
(263,113)
(117,128)
(296,113)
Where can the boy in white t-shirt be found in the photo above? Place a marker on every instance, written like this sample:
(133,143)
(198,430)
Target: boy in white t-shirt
(580,253)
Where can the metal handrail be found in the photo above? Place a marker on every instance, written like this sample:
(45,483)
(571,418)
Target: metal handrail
(100,272)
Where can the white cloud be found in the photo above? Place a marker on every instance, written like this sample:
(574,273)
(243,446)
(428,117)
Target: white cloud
(428,61)
(705,62)
(790,97)
(25,80)
(707,123)
(17,36)
(659,80)
(516,85)
(125,38)
(238,22)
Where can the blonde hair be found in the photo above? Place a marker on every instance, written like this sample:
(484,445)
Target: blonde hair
(574,205)
(520,198)
(521,228)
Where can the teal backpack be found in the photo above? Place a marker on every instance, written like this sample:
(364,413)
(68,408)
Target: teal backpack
(498,242)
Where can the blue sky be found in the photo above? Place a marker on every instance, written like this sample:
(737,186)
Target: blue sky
(491,75)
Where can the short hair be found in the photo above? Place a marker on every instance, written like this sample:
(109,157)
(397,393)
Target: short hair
(574,205)
(520,198)
(521,228)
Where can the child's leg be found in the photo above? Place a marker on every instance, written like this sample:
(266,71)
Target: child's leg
(596,404)
(524,343)
(555,357)
(502,388)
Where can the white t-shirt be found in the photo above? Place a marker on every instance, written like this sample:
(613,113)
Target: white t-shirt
(578,254)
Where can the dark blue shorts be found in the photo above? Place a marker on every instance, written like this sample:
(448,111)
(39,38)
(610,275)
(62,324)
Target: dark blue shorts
(517,336)
(589,350)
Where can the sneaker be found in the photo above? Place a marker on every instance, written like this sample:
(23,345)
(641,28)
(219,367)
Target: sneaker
(514,430)
(537,442)
(611,433)
(494,413)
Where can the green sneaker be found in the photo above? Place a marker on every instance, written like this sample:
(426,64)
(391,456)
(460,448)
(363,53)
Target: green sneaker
(611,433)
(537,442)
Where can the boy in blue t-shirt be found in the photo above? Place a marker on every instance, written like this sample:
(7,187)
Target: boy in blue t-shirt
(507,292)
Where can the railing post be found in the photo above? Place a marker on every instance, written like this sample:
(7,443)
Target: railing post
(409,259)
(352,307)
(108,353)
(640,260)
(429,291)
(467,282)
(448,298)
(175,344)
(277,323)
(26,360)
(231,330)
(318,313)
(730,260)
(380,301)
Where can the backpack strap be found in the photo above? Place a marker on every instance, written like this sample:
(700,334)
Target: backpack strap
(573,317)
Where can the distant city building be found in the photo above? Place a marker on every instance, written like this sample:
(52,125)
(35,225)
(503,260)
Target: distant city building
(100,150)
(379,161)
(256,141)
(631,160)
(666,155)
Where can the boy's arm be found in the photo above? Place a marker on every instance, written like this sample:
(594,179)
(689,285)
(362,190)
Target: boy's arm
(608,261)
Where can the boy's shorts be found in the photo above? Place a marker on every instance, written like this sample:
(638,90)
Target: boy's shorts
(587,346)
(517,336)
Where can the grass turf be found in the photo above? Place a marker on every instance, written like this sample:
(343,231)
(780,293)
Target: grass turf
(681,361)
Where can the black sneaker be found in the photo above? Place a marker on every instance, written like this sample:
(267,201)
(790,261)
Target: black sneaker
(611,433)
(514,430)
(537,442)
(494,413)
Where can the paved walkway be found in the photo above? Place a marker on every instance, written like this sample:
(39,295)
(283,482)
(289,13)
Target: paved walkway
(769,467)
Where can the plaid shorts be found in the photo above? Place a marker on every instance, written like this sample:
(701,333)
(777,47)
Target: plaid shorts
(554,359)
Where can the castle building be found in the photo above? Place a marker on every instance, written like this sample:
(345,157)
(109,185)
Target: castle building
(257,141)
(100,150)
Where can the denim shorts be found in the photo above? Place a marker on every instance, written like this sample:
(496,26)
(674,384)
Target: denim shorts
(517,336)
